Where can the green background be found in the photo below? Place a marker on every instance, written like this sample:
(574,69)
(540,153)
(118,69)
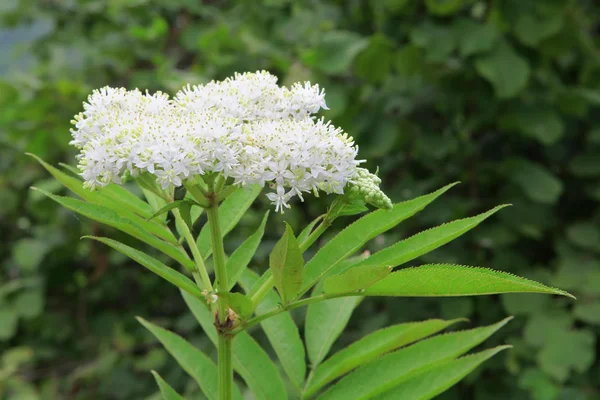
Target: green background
(502,95)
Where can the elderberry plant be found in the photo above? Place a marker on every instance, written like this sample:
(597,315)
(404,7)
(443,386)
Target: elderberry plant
(212,148)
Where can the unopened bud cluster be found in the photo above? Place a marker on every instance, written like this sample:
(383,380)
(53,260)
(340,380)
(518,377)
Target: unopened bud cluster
(366,186)
(246,127)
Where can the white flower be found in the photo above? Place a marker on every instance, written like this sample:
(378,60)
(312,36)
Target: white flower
(247,128)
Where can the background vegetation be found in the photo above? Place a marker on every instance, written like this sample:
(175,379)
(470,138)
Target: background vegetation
(502,95)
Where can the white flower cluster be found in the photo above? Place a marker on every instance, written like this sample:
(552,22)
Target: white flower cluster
(246,127)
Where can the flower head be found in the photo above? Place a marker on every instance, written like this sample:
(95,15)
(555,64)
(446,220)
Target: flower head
(246,127)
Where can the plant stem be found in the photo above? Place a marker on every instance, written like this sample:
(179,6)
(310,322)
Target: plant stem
(295,304)
(218,251)
(314,235)
(225,368)
(189,238)
(225,338)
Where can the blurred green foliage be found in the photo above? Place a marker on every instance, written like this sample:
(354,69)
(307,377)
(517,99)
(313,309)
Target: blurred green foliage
(502,95)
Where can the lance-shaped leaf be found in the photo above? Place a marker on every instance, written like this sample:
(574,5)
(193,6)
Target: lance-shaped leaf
(281,331)
(386,372)
(429,384)
(155,201)
(242,305)
(160,269)
(356,278)
(112,194)
(111,218)
(371,347)
(454,280)
(241,257)
(426,241)
(193,361)
(115,198)
(285,263)
(230,213)
(166,391)
(326,320)
(360,232)
(249,359)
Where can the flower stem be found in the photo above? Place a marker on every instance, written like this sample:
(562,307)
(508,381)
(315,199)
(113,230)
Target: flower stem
(218,251)
(225,338)
(189,238)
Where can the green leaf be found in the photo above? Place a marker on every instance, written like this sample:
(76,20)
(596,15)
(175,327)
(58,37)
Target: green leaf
(429,384)
(230,213)
(249,359)
(559,360)
(538,23)
(356,278)
(8,323)
(370,348)
(186,214)
(242,305)
(168,274)
(474,37)
(454,280)
(444,7)
(589,312)
(392,369)
(155,201)
(28,253)
(505,69)
(353,207)
(586,165)
(281,331)
(285,263)
(116,198)
(325,321)
(426,241)
(166,391)
(374,63)
(113,194)
(585,235)
(539,122)
(336,51)
(539,184)
(193,361)
(111,218)
(437,40)
(241,257)
(29,303)
(360,232)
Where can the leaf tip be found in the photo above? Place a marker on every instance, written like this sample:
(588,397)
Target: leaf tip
(566,294)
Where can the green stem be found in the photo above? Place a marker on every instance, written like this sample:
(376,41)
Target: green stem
(218,251)
(295,304)
(225,338)
(225,368)
(189,238)
(314,235)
